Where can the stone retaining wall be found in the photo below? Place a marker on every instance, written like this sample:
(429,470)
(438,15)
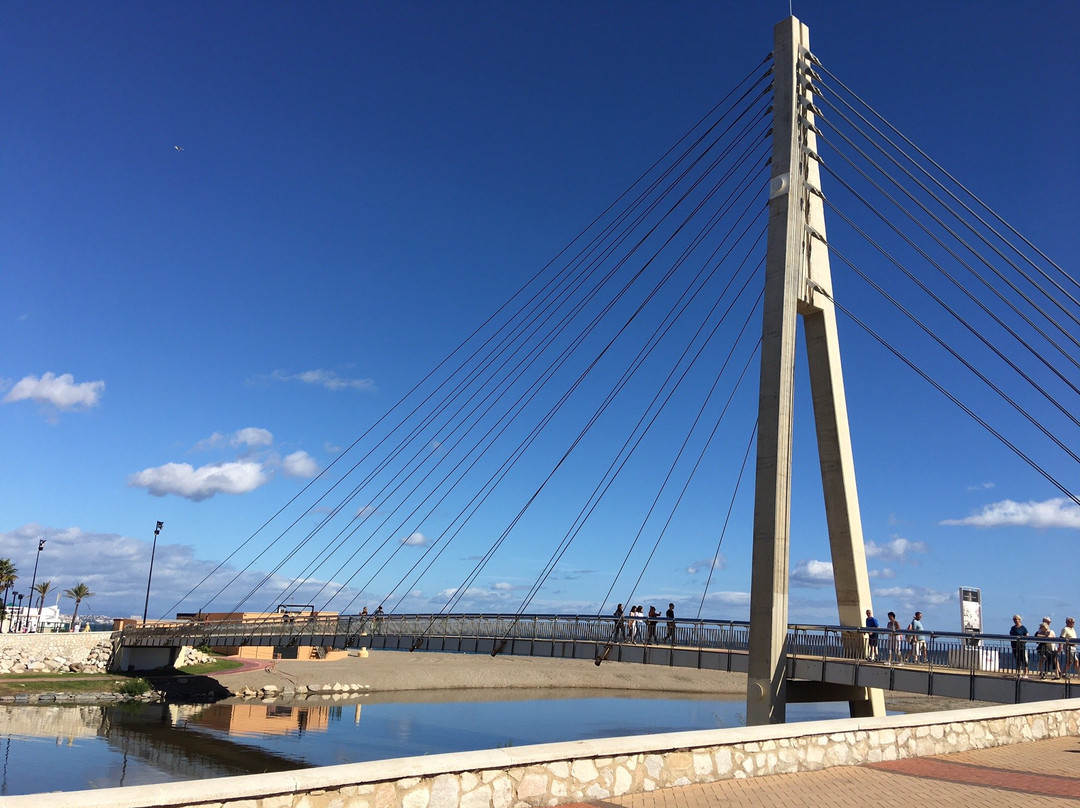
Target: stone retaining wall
(552,774)
(72,652)
(69,652)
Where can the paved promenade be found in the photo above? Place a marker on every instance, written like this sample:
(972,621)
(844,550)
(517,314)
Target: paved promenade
(1031,775)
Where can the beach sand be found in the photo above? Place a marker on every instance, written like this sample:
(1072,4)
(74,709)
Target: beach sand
(401,672)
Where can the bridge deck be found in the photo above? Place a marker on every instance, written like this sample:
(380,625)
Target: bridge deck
(956,665)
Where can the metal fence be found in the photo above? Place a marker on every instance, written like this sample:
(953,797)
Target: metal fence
(987,654)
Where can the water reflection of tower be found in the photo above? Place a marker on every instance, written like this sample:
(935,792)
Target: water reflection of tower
(301,721)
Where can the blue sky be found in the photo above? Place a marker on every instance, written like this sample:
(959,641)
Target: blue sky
(192,334)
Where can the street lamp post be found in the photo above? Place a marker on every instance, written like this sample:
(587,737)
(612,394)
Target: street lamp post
(33,580)
(18,626)
(153,550)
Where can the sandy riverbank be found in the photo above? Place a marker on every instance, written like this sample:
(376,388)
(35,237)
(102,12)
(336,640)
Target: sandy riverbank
(390,671)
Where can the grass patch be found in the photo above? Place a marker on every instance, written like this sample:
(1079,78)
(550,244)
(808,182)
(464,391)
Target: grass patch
(14,684)
(211,667)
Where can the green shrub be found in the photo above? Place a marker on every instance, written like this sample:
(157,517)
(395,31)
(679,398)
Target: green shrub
(133,687)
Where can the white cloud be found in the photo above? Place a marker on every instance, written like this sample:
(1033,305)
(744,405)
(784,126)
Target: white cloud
(415,540)
(299,464)
(251,436)
(196,484)
(1058,512)
(115,568)
(728,598)
(58,391)
(559,574)
(914,597)
(256,465)
(894,550)
(885,573)
(980,487)
(502,586)
(472,595)
(812,573)
(327,379)
(217,439)
(704,564)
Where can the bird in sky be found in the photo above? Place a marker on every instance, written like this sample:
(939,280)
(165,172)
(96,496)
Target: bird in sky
(178,148)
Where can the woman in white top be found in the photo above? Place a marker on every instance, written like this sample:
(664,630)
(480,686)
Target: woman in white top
(1048,657)
(1068,634)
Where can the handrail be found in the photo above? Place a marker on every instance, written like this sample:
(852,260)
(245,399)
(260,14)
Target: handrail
(936,650)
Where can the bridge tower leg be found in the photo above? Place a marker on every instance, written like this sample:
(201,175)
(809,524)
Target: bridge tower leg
(798,283)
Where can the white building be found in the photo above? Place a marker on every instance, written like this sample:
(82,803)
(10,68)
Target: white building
(25,618)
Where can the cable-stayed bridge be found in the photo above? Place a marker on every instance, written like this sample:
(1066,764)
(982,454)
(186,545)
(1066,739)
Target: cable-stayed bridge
(819,659)
(610,404)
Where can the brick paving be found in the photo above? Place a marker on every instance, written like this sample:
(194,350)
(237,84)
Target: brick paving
(1027,775)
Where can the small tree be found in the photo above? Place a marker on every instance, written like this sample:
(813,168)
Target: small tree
(44,588)
(8,576)
(78,593)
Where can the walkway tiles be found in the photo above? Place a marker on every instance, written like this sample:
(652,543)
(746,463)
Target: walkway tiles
(1039,774)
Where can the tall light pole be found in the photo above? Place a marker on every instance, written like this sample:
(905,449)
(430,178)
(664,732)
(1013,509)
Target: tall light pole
(153,550)
(33,580)
(18,624)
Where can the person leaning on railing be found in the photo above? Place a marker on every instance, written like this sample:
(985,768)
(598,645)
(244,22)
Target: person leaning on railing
(1072,657)
(1048,661)
(917,640)
(894,638)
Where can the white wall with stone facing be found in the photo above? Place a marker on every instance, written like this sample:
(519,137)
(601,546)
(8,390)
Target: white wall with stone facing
(78,652)
(552,774)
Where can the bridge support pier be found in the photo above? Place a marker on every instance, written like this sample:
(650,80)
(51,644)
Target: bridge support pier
(860,699)
(144,658)
(798,281)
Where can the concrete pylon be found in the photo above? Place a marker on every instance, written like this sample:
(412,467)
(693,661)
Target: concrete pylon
(798,282)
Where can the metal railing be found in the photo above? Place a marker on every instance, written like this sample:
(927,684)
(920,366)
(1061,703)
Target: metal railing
(999,654)
(985,654)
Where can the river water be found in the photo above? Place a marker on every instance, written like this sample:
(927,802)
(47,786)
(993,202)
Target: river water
(71,747)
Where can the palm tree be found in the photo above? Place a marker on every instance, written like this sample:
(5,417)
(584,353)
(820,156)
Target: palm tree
(8,576)
(78,592)
(42,589)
